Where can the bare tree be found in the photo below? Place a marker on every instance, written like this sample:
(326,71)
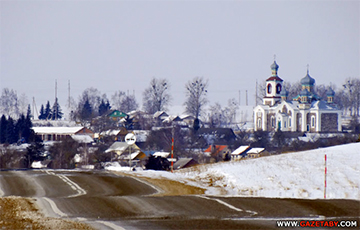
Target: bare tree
(222,117)
(123,102)
(215,115)
(261,92)
(9,103)
(128,103)
(352,91)
(293,89)
(230,111)
(156,97)
(196,91)
(117,98)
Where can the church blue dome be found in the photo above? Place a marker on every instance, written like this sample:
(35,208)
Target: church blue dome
(307,80)
(330,92)
(274,66)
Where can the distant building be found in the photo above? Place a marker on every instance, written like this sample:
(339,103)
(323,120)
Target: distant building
(60,133)
(306,112)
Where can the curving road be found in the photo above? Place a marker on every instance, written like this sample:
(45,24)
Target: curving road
(108,201)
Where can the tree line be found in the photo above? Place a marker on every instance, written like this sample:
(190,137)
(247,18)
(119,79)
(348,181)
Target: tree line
(156,97)
(16,131)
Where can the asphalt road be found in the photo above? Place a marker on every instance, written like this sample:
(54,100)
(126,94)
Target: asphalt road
(109,201)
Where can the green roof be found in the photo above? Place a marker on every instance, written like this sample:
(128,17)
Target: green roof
(117,113)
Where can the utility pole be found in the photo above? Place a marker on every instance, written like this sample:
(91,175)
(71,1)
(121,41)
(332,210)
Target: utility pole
(239,99)
(68,94)
(246,98)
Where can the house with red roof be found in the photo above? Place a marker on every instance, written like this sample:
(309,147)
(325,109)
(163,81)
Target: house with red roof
(217,152)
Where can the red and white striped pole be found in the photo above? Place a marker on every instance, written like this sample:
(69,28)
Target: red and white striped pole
(325,179)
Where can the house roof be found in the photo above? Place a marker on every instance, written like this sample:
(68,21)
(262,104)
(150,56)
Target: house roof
(161,154)
(120,147)
(160,114)
(240,150)
(117,113)
(82,138)
(218,148)
(183,162)
(58,130)
(255,150)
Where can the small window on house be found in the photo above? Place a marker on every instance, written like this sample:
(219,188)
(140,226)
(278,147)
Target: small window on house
(284,124)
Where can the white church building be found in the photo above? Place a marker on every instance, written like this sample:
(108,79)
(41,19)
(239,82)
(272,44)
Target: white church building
(306,112)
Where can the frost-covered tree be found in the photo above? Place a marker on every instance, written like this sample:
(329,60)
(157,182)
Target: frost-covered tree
(9,103)
(196,92)
(156,97)
(128,104)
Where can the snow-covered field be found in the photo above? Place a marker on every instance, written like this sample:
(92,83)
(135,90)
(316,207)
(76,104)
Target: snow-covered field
(291,175)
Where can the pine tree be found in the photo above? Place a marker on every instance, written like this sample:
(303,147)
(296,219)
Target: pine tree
(3,125)
(47,113)
(21,127)
(86,111)
(11,136)
(42,115)
(28,113)
(56,111)
(104,107)
(34,152)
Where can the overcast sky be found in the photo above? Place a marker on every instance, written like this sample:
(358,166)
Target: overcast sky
(121,45)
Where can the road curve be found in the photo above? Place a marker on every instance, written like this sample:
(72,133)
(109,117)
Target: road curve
(108,201)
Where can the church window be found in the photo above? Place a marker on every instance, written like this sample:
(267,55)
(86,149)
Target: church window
(289,121)
(312,121)
(269,88)
(278,88)
(272,122)
(259,123)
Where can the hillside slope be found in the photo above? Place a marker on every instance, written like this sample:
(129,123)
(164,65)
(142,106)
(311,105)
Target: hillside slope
(292,175)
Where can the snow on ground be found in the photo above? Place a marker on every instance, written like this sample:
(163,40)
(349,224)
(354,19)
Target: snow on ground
(292,175)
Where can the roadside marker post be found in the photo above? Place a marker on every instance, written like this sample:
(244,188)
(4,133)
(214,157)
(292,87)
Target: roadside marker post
(325,177)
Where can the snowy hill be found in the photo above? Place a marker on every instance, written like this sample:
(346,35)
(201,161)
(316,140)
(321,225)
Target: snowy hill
(292,175)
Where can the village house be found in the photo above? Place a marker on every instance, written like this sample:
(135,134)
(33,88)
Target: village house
(60,133)
(217,152)
(240,152)
(117,115)
(124,150)
(306,112)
